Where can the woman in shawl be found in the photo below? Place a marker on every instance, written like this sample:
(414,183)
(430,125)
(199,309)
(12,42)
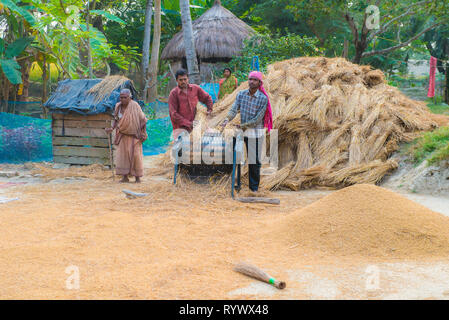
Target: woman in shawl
(130,125)
(228,84)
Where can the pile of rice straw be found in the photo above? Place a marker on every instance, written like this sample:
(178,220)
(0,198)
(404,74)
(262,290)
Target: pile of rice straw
(338,122)
(107,86)
(93,171)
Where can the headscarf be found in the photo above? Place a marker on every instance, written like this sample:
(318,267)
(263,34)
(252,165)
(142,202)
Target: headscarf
(268,118)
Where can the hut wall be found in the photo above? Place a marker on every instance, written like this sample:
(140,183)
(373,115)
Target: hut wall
(209,70)
(80,139)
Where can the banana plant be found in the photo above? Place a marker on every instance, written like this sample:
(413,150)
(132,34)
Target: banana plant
(62,30)
(15,43)
(12,5)
(8,56)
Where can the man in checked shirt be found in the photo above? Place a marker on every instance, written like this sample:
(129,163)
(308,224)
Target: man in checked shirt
(255,113)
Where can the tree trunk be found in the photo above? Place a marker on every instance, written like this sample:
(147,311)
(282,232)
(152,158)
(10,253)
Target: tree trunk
(44,80)
(146,49)
(12,107)
(189,42)
(5,93)
(108,69)
(345,48)
(25,66)
(360,43)
(6,87)
(89,49)
(97,22)
(152,92)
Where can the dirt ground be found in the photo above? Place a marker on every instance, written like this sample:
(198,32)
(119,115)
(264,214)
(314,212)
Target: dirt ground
(179,242)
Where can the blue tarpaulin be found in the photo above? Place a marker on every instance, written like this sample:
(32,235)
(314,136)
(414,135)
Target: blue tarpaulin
(211,89)
(73,96)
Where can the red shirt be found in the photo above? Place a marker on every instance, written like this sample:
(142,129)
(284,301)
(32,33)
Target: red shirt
(182,106)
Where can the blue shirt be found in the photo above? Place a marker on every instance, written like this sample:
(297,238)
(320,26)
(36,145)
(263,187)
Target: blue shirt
(252,109)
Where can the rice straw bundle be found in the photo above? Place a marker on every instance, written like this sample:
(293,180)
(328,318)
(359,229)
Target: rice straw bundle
(107,86)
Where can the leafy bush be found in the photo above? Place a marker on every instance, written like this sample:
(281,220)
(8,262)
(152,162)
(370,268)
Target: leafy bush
(272,48)
(433,146)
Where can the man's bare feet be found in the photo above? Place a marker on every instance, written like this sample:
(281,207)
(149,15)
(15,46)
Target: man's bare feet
(138,180)
(124,179)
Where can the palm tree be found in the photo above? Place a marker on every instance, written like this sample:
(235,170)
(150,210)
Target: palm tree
(189,43)
(146,48)
(155,52)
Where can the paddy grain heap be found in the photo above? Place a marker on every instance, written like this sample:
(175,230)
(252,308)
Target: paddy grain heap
(370,221)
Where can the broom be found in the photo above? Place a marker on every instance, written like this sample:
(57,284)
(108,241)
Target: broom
(256,273)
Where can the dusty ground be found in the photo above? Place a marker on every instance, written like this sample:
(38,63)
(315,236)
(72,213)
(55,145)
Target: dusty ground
(178,243)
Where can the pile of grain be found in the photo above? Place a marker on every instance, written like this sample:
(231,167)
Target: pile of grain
(367,220)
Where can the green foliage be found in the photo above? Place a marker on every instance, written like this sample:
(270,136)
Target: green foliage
(16,48)
(272,48)
(13,5)
(325,20)
(439,106)
(439,155)
(11,69)
(8,64)
(107,15)
(433,146)
(162,84)
(131,34)
(62,33)
(15,43)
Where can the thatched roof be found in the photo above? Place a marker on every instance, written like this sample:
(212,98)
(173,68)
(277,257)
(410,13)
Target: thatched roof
(218,33)
(88,96)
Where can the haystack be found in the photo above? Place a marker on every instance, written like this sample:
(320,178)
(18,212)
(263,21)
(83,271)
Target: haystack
(338,122)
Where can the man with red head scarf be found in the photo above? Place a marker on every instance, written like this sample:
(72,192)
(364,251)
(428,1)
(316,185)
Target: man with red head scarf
(255,114)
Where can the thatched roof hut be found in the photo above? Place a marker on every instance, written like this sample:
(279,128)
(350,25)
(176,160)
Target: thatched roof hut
(219,36)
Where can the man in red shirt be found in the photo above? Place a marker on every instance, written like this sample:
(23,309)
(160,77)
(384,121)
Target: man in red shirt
(183,100)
